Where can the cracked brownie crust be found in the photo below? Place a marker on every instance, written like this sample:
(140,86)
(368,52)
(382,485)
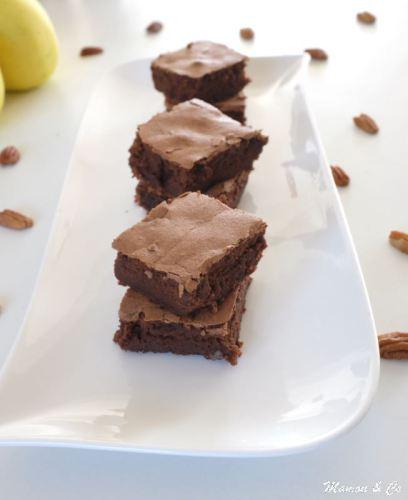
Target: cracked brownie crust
(193,147)
(190,253)
(206,70)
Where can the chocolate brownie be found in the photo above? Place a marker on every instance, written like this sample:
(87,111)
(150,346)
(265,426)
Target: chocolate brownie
(229,192)
(146,327)
(206,70)
(193,147)
(189,253)
(233,107)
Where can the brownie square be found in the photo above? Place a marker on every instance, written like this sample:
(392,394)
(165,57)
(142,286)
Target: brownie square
(193,147)
(229,192)
(146,327)
(206,70)
(234,107)
(190,253)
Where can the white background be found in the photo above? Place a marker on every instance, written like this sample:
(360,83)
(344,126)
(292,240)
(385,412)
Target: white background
(367,72)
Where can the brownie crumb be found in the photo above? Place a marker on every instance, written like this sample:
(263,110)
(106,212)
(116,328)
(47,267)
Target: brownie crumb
(247,33)
(154,27)
(9,156)
(90,51)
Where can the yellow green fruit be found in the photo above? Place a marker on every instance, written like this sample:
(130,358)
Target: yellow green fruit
(2,91)
(28,44)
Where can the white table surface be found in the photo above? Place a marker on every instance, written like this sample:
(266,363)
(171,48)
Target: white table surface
(367,72)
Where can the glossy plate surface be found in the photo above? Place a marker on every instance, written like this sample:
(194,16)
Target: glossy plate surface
(309,367)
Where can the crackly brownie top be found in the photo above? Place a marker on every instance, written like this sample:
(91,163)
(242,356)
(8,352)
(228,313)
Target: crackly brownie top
(135,304)
(193,131)
(185,237)
(198,59)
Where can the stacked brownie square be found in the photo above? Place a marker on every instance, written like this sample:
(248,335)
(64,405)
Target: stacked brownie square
(187,266)
(193,147)
(200,143)
(205,70)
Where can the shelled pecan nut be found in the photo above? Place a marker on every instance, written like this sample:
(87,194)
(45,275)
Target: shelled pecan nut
(393,345)
(366,17)
(91,51)
(9,155)
(317,54)
(340,177)
(399,240)
(366,123)
(14,220)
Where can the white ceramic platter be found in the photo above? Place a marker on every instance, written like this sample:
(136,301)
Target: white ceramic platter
(309,367)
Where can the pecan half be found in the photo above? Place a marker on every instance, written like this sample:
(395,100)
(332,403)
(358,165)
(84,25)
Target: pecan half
(317,54)
(247,33)
(91,51)
(393,345)
(14,220)
(9,155)
(340,177)
(399,240)
(366,17)
(154,27)
(366,123)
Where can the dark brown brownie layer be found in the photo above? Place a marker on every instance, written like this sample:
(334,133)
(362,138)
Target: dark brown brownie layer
(190,253)
(229,192)
(145,327)
(212,289)
(233,107)
(205,70)
(193,147)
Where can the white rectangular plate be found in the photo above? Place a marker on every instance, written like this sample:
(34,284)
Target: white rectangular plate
(309,367)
